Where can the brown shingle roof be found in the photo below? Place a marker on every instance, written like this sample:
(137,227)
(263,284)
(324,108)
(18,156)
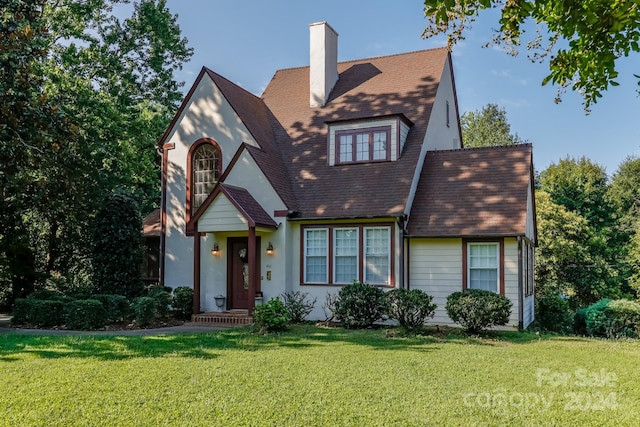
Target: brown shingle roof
(247,205)
(151,224)
(398,84)
(260,122)
(473,192)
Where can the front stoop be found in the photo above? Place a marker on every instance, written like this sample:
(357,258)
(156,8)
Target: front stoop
(224,318)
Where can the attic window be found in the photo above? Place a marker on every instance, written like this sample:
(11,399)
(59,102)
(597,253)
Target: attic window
(206,171)
(363,145)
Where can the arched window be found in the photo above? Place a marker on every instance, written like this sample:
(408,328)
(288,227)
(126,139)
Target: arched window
(205,170)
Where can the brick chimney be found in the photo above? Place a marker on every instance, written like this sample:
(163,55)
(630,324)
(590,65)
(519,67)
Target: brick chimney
(323,69)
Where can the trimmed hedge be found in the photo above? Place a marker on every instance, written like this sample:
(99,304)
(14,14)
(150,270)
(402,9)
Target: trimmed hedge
(84,315)
(360,305)
(145,309)
(38,312)
(183,302)
(116,307)
(162,297)
(411,308)
(477,309)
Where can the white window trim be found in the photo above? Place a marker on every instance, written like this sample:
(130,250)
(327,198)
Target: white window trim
(335,229)
(364,254)
(326,256)
(497,245)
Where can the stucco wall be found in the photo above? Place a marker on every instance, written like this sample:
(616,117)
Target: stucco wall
(207,114)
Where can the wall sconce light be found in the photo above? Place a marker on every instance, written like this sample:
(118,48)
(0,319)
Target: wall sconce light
(270,249)
(216,250)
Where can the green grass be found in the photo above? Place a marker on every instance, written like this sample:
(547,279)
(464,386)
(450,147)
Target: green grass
(312,376)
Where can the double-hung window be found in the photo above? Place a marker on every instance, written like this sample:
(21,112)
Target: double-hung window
(364,145)
(345,255)
(377,255)
(483,266)
(316,255)
(341,254)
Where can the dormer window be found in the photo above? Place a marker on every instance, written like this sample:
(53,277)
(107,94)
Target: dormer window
(364,145)
(368,140)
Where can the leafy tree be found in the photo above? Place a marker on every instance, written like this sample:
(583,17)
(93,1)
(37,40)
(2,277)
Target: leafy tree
(117,247)
(624,192)
(84,98)
(582,39)
(580,186)
(570,259)
(487,127)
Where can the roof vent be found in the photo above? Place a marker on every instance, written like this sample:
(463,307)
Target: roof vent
(323,70)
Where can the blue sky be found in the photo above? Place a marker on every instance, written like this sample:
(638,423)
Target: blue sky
(248,40)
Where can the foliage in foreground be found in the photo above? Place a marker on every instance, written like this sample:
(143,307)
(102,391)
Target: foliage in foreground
(585,39)
(477,309)
(552,313)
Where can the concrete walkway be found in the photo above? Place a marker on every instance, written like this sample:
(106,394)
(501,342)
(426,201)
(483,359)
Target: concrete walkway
(187,328)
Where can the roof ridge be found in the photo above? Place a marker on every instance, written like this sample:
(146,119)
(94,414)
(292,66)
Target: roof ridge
(370,58)
(492,147)
(210,71)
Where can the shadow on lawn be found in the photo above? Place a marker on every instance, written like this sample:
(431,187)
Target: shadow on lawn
(211,345)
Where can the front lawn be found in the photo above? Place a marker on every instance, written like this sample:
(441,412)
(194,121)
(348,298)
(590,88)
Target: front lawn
(312,376)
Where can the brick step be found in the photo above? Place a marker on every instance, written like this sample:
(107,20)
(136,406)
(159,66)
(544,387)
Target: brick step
(227,318)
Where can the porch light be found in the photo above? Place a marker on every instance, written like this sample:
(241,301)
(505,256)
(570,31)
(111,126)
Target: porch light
(216,250)
(270,249)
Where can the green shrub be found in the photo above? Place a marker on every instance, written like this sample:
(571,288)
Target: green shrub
(116,307)
(360,305)
(298,305)
(271,316)
(411,308)
(38,312)
(552,313)
(477,309)
(162,297)
(183,302)
(595,318)
(84,315)
(46,294)
(145,309)
(117,247)
(580,321)
(613,319)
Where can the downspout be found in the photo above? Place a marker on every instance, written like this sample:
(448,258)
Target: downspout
(520,290)
(401,221)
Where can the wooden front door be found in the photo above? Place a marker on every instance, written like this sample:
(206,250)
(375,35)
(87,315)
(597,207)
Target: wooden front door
(238,272)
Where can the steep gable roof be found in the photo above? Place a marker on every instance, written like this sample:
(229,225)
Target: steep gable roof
(257,117)
(367,88)
(473,192)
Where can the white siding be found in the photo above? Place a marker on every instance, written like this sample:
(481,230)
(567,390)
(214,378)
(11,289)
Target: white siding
(404,131)
(530,224)
(222,215)
(436,268)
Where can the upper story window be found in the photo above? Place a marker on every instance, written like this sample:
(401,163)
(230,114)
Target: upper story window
(205,169)
(368,140)
(364,145)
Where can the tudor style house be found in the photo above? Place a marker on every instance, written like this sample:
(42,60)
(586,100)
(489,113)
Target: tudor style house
(340,172)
